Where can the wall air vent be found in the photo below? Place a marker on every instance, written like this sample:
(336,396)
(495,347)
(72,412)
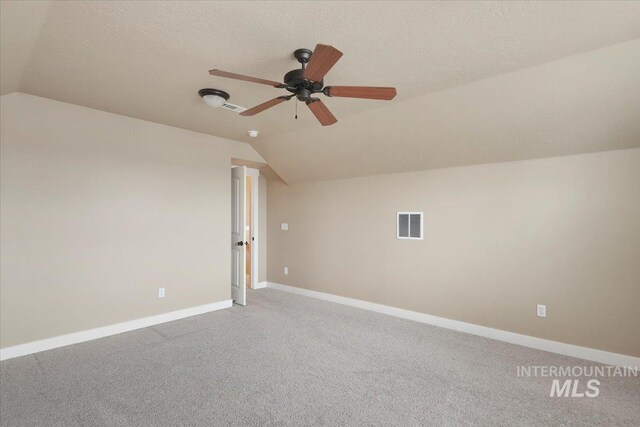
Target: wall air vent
(409,225)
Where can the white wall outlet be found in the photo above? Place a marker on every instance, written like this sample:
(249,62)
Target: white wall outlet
(160,292)
(541,310)
(284,226)
(286,271)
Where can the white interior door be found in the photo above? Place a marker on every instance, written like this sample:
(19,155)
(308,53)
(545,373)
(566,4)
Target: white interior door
(238,220)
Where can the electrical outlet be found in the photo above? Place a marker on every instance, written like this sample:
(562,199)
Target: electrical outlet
(286,271)
(160,292)
(541,310)
(284,226)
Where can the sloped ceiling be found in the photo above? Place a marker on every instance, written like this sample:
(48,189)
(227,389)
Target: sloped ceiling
(20,27)
(477,81)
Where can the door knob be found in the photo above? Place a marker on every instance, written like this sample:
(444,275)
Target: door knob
(240,243)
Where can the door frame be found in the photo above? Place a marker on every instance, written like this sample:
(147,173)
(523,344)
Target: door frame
(255,197)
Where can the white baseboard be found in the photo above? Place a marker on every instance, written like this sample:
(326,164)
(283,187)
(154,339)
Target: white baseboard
(105,331)
(260,285)
(571,350)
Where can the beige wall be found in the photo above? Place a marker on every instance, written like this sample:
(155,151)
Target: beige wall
(499,238)
(262,228)
(98,211)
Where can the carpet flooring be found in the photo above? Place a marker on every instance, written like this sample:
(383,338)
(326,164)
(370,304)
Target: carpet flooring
(286,359)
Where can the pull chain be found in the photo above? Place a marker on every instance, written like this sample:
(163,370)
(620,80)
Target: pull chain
(296,108)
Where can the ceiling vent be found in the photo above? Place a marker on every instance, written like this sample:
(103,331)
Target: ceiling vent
(233,107)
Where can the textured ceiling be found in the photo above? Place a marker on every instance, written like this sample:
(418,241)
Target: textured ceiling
(20,26)
(585,103)
(460,99)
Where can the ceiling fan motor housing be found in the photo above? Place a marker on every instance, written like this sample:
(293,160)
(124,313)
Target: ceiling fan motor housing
(297,84)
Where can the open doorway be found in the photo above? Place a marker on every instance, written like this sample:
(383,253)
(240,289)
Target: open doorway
(251,227)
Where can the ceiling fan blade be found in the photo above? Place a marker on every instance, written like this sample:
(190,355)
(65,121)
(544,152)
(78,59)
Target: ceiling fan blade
(260,108)
(235,76)
(322,113)
(323,58)
(366,92)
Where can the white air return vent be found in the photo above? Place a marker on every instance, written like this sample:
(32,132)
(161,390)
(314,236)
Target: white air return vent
(409,225)
(233,107)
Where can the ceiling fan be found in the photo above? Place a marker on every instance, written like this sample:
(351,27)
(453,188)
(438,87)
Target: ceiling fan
(304,82)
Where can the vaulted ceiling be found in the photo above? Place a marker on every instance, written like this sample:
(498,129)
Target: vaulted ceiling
(477,81)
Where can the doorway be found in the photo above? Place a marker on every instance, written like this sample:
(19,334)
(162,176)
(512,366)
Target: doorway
(251,227)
